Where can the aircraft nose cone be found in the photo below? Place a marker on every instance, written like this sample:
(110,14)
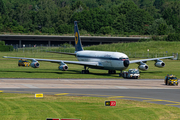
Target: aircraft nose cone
(126,63)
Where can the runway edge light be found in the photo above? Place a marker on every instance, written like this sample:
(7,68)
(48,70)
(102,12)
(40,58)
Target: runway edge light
(110,103)
(39,95)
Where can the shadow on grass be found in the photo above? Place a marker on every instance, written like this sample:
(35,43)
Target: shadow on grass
(56,72)
(151,72)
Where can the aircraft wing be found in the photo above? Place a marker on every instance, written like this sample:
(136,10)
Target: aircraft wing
(150,59)
(60,61)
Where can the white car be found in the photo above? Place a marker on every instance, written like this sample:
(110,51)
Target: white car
(132,73)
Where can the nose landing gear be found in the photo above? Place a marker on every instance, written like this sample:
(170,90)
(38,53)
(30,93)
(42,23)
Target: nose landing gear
(120,74)
(85,71)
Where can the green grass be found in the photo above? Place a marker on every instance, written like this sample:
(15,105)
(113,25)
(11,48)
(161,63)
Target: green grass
(9,68)
(26,107)
(153,46)
(133,49)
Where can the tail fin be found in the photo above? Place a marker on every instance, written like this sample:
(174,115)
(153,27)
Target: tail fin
(78,45)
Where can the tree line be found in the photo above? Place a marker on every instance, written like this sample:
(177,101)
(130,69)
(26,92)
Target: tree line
(114,17)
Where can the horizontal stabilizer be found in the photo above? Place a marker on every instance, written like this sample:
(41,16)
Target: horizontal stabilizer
(63,53)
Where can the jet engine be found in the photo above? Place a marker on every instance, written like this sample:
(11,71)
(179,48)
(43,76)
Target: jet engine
(143,67)
(35,64)
(159,64)
(63,67)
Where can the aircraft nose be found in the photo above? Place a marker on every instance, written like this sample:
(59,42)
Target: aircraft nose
(126,63)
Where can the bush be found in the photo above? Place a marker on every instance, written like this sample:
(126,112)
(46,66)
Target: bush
(144,40)
(106,30)
(173,37)
(66,45)
(6,48)
(37,32)
(64,29)
(2,43)
(156,38)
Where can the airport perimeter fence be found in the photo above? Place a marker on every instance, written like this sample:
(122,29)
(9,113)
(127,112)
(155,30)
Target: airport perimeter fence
(43,52)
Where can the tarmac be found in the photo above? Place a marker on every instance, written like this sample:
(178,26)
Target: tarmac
(146,90)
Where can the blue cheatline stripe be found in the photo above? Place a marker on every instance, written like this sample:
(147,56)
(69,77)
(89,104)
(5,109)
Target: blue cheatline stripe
(99,58)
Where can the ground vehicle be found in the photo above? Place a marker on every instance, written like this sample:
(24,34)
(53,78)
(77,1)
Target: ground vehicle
(23,62)
(132,73)
(171,80)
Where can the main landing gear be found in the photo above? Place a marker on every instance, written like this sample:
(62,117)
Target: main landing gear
(120,74)
(85,71)
(111,72)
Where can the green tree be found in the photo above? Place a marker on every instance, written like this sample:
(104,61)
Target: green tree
(120,23)
(158,3)
(145,3)
(79,6)
(91,3)
(103,2)
(160,27)
(1,24)
(171,13)
(3,8)
(106,30)
(137,20)
(64,29)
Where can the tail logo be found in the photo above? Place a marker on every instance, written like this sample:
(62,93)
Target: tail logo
(76,38)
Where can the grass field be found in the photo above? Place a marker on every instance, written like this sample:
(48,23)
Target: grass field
(133,49)
(26,107)
(9,69)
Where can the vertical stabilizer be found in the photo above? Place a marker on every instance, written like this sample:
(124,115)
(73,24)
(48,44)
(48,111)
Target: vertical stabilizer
(78,45)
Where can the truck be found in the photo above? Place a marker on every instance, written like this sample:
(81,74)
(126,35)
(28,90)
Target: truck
(131,73)
(171,80)
(23,62)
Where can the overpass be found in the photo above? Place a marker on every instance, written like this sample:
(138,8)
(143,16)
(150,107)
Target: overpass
(49,40)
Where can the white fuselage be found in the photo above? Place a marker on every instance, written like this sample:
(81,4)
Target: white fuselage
(109,60)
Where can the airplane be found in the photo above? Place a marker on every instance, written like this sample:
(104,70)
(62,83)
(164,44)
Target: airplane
(106,60)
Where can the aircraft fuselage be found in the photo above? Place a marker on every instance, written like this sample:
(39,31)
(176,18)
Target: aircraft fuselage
(109,60)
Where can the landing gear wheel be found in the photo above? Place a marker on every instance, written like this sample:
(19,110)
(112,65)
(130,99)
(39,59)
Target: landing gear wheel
(121,74)
(85,72)
(111,72)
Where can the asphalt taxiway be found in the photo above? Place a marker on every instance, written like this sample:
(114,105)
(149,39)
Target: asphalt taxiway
(147,90)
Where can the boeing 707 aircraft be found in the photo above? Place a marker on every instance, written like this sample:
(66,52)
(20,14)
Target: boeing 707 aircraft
(110,61)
